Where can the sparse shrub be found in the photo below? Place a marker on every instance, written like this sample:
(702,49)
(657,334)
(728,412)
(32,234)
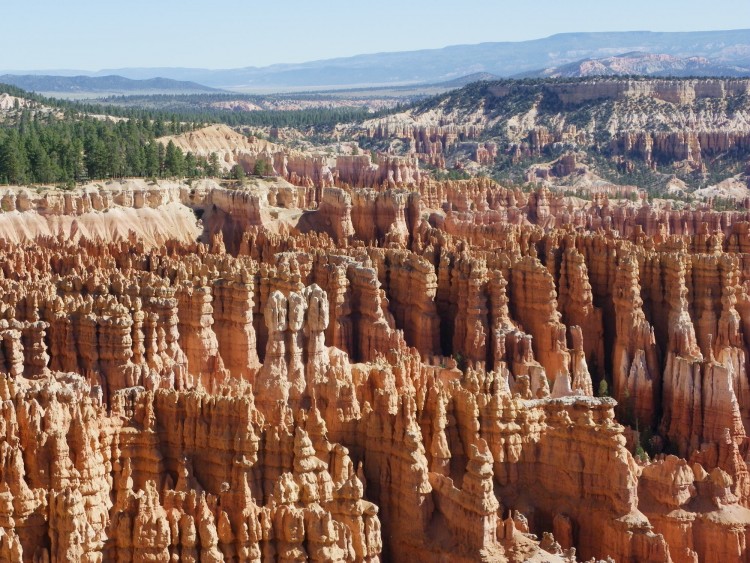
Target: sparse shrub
(261,168)
(238,173)
(460,361)
(603,388)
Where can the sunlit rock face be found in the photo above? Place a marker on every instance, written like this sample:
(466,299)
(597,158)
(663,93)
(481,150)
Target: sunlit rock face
(400,373)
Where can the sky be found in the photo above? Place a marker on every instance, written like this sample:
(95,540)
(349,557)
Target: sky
(104,34)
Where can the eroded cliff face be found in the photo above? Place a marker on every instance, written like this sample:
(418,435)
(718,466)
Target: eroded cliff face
(306,169)
(688,125)
(394,374)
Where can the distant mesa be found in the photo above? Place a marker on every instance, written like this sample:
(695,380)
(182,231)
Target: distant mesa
(726,53)
(112,84)
(468,79)
(643,64)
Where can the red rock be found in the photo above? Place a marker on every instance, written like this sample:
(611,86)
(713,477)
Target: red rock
(428,375)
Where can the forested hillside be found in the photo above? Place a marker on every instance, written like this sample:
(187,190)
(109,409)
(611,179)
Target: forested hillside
(52,141)
(78,149)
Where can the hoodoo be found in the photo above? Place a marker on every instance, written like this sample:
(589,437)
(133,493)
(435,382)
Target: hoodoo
(508,322)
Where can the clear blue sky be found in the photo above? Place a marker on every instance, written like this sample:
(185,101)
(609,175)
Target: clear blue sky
(96,34)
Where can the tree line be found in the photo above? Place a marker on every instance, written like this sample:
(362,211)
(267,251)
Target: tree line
(197,109)
(71,144)
(46,149)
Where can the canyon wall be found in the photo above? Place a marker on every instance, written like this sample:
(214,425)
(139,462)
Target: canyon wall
(610,123)
(308,169)
(401,374)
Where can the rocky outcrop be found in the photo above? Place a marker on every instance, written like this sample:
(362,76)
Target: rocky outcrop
(380,214)
(429,142)
(693,124)
(693,509)
(126,211)
(577,307)
(673,91)
(534,304)
(636,370)
(305,169)
(335,212)
(234,301)
(197,337)
(411,283)
(387,171)
(485,153)
(412,388)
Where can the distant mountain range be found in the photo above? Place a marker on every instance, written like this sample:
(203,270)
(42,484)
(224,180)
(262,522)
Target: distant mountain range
(111,84)
(703,52)
(468,79)
(643,64)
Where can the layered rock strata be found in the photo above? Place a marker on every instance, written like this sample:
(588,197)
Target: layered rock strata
(425,387)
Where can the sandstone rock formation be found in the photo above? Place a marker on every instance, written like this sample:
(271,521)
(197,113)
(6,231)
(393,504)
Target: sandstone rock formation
(687,125)
(400,373)
(299,168)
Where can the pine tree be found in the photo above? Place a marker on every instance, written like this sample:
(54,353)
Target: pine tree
(160,151)
(213,165)
(97,158)
(174,161)
(261,168)
(12,160)
(191,165)
(238,173)
(152,159)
